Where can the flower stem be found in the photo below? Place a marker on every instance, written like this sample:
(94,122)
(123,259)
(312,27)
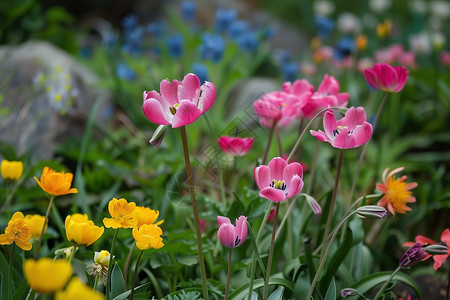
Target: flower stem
(10,271)
(133,284)
(127,264)
(269,259)
(324,257)
(72,254)
(43,227)
(111,264)
(228,275)
(380,292)
(266,152)
(280,146)
(201,260)
(448,285)
(97,277)
(333,200)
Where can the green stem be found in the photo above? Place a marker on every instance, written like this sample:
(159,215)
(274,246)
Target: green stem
(280,146)
(43,227)
(333,200)
(269,259)
(324,257)
(448,285)
(127,264)
(266,152)
(222,190)
(227,287)
(201,260)
(10,271)
(96,281)
(135,274)
(380,292)
(111,264)
(72,254)
(361,156)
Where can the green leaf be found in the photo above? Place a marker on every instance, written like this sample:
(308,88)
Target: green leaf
(369,282)
(21,291)
(3,276)
(255,248)
(125,295)
(241,292)
(117,282)
(277,294)
(331,292)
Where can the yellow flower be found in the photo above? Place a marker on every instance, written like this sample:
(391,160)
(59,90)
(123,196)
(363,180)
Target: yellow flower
(81,231)
(146,215)
(123,214)
(384,29)
(56,183)
(35,224)
(361,42)
(11,170)
(47,275)
(315,43)
(102,258)
(17,232)
(148,236)
(397,192)
(77,290)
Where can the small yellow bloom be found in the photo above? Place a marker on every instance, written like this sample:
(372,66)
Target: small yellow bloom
(56,183)
(123,214)
(384,29)
(11,170)
(81,231)
(77,290)
(17,232)
(315,43)
(146,215)
(148,236)
(47,275)
(35,224)
(102,258)
(361,42)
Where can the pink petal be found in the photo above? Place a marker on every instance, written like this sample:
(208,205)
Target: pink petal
(273,194)
(395,171)
(241,229)
(290,170)
(223,220)
(362,134)
(329,84)
(320,135)
(207,97)
(227,235)
(276,166)
(262,176)
(402,75)
(423,240)
(439,260)
(295,186)
(186,113)
(445,237)
(372,78)
(329,124)
(169,91)
(344,141)
(189,88)
(353,117)
(154,111)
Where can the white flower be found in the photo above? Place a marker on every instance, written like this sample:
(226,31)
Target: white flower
(418,6)
(379,6)
(348,23)
(440,9)
(323,8)
(420,43)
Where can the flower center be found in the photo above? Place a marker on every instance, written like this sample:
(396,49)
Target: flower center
(397,192)
(278,184)
(173,110)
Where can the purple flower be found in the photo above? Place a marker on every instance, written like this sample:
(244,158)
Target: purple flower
(412,256)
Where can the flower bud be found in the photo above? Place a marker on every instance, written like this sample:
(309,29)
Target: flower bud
(347,292)
(412,256)
(436,249)
(158,135)
(102,258)
(372,211)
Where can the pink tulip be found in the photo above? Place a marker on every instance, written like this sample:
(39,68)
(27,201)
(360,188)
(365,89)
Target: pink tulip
(235,146)
(408,59)
(300,91)
(232,236)
(180,103)
(279,180)
(349,132)
(327,95)
(386,77)
(278,107)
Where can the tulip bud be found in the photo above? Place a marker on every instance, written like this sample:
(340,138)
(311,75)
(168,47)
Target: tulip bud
(372,211)
(158,135)
(436,249)
(347,292)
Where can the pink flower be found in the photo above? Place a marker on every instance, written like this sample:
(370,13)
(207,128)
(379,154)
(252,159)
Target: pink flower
(408,59)
(180,103)
(445,58)
(327,95)
(279,180)
(389,55)
(235,146)
(364,63)
(300,91)
(349,132)
(232,236)
(386,77)
(277,106)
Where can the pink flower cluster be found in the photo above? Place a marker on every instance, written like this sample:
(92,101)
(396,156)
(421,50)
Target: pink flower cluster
(397,54)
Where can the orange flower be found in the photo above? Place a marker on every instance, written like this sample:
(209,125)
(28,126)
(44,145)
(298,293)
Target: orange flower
(123,214)
(17,232)
(148,236)
(35,224)
(56,183)
(397,192)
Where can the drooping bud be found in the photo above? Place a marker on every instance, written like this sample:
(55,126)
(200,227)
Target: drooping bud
(347,292)
(436,249)
(158,135)
(412,256)
(373,211)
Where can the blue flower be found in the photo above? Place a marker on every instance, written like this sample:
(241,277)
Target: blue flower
(188,9)
(175,45)
(125,72)
(290,71)
(212,47)
(157,29)
(281,56)
(238,28)
(224,18)
(201,71)
(343,48)
(248,41)
(130,22)
(324,26)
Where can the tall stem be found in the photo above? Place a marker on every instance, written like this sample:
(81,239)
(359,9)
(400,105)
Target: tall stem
(361,156)
(97,277)
(72,254)
(227,287)
(333,200)
(127,264)
(111,265)
(133,284)
(380,292)
(269,259)
(43,227)
(324,258)
(280,146)
(266,152)
(10,271)
(201,260)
